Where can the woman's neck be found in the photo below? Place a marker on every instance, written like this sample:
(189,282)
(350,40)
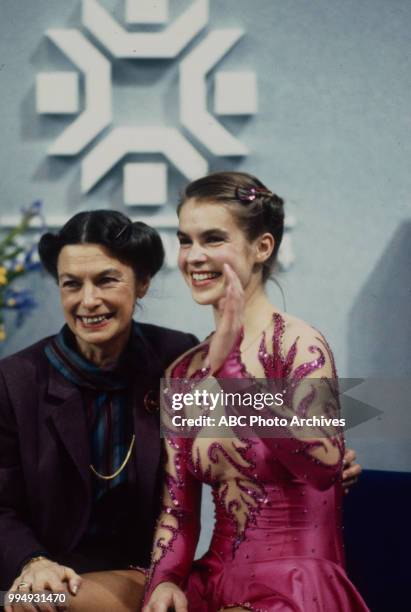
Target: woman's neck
(103,356)
(258,314)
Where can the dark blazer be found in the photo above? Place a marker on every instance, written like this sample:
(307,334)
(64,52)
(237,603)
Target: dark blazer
(45,482)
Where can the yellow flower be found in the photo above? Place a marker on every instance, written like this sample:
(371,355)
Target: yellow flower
(19,268)
(3,275)
(2,333)
(11,302)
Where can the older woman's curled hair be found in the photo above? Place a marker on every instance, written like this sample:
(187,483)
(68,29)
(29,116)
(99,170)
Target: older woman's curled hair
(135,244)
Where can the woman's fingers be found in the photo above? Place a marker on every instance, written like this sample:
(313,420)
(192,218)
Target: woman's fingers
(21,586)
(157,606)
(166,596)
(73,580)
(349,456)
(180,602)
(231,308)
(46,581)
(46,606)
(233,301)
(22,605)
(351,470)
(234,287)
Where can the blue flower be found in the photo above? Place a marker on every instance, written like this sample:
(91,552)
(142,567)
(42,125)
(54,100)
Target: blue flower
(31,258)
(33,210)
(20,300)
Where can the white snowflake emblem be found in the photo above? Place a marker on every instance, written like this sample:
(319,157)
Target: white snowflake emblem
(108,144)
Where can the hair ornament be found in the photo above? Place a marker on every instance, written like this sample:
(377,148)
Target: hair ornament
(249,194)
(123,229)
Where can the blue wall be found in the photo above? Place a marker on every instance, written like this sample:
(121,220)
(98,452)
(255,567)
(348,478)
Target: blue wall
(332,136)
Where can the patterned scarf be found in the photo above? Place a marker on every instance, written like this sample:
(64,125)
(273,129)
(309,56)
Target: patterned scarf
(106,394)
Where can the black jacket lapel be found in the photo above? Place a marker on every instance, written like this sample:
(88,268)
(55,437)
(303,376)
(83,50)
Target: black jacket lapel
(69,420)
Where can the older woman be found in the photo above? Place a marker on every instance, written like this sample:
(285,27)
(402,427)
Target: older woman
(79,441)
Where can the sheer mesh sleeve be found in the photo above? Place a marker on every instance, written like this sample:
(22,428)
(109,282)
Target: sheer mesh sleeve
(178,526)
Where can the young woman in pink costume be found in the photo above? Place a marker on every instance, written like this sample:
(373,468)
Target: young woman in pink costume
(277,544)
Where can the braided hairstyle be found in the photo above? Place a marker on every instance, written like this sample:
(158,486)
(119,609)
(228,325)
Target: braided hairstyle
(256,209)
(135,244)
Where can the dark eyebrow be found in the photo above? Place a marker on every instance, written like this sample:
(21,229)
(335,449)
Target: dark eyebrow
(68,275)
(213,231)
(206,234)
(107,272)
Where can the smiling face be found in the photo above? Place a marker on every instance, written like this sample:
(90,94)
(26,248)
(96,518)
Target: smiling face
(209,236)
(98,293)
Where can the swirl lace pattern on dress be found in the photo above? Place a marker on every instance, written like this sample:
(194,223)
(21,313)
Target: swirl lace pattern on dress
(168,530)
(242,495)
